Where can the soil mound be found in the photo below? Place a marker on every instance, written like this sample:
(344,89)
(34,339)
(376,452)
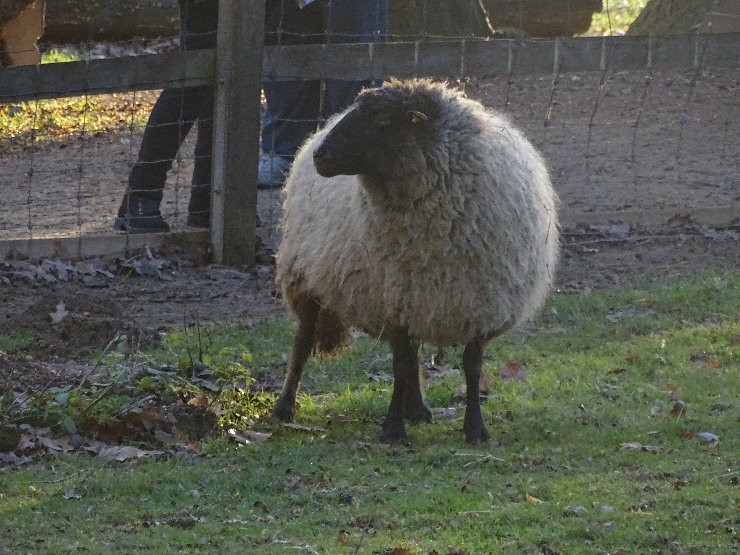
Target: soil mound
(70,325)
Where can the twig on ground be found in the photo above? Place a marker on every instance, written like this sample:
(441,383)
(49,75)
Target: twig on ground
(67,477)
(102,356)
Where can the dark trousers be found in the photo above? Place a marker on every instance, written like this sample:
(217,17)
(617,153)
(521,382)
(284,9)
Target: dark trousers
(172,117)
(293,108)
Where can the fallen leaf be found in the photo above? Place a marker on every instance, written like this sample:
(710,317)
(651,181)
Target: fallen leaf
(576,510)
(124,452)
(164,437)
(709,436)
(513,371)
(343,537)
(247,437)
(632,358)
(440,371)
(199,401)
(12,458)
(533,500)
(27,442)
(377,375)
(294,426)
(56,445)
(679,408)
(705,358)
(59,314)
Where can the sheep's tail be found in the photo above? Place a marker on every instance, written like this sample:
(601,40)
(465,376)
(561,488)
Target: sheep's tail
(332,336)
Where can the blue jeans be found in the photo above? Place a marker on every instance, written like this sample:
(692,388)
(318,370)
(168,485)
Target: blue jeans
(294,108)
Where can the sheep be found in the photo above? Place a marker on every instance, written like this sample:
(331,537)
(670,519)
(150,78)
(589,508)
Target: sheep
(415,215)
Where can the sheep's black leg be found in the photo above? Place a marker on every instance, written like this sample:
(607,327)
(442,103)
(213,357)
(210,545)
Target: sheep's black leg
(405,356)
(475,430)
(414,408)
(307,310)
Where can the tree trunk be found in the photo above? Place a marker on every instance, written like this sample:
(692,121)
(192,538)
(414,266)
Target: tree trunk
(109,20)
(412,19)
(664,17)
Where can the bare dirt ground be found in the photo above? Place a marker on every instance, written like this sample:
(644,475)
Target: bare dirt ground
(669,142)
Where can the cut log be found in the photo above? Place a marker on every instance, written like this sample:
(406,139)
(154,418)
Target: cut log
(543,18)
(109,20)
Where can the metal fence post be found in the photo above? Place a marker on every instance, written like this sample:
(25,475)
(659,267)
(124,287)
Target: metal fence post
(236,130)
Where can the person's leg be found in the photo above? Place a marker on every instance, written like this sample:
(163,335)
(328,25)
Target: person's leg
(352,21)
(200,27)
(169,122)
(199,209)
(292,106)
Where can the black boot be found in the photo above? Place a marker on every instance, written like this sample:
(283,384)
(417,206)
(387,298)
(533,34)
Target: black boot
(140,214)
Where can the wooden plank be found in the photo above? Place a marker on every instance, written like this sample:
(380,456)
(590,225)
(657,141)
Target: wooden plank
(101,245)
(475,58)
(236,131)
(483,58)
(108,75)
(98,245)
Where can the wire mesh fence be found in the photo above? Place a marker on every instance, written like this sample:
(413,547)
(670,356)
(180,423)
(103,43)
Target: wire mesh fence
(642,129)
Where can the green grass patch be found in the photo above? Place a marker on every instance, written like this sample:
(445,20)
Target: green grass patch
(597,450)
(74,117)
(14,341)
(615,18)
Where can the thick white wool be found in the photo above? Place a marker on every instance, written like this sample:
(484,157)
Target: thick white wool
(474,253)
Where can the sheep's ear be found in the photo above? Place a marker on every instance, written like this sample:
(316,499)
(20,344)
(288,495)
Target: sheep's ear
(416,116)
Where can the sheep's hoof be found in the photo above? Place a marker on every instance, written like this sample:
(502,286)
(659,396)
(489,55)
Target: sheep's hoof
(284,409)
(417,413)
(394,432)
(475,431)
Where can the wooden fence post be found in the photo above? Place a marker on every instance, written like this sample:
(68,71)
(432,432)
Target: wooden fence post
(236,130)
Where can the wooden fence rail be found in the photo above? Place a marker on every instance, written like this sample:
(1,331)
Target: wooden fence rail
(473,58)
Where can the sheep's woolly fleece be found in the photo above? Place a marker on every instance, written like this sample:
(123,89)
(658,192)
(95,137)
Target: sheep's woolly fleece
(473,254)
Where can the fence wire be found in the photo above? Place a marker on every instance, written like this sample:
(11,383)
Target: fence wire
(616,140)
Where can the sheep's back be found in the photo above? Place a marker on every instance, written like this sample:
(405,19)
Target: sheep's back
(474,255)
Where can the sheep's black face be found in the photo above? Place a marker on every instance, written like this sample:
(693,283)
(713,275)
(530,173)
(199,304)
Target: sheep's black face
(385,127)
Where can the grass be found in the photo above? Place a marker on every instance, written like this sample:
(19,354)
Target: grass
(69,118)
(605,373)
